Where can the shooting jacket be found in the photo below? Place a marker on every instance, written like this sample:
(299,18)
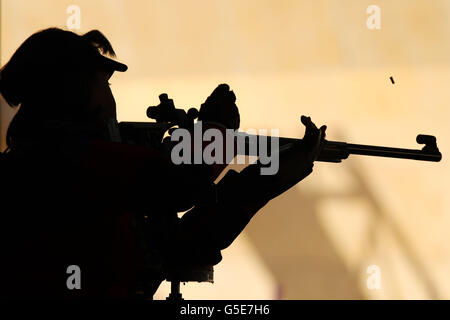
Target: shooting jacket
(79,203)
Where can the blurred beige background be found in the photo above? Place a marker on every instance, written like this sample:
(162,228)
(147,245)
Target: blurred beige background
(286,58)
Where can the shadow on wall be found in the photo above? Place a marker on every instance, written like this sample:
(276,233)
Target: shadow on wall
(293,244)
(292,241)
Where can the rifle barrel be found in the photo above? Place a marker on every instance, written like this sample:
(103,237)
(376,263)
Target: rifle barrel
(334,151)
(393,152)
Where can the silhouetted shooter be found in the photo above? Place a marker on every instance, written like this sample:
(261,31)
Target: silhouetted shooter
(71,196)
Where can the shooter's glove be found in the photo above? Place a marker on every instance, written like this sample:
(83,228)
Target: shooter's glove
(220,107)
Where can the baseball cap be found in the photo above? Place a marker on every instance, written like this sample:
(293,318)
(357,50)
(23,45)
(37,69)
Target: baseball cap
(52,57)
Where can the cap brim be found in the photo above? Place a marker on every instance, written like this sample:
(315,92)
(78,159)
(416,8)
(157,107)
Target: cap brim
(115,65)
(111,65)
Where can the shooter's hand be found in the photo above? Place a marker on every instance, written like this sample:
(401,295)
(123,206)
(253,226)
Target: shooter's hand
(220,107)
(296,162)
(313,139)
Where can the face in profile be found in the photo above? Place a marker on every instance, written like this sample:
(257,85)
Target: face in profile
(102,102)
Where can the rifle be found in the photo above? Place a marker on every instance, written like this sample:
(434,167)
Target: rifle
(151,134)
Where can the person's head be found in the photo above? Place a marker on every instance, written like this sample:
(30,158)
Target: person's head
(60,76)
